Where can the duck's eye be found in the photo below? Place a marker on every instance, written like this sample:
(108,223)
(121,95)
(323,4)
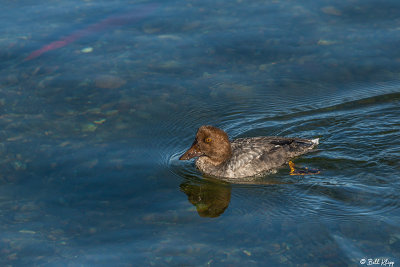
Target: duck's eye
(208,140)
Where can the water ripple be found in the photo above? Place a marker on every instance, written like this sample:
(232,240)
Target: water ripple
(349,185)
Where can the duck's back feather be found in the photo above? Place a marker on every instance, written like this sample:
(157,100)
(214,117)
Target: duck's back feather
(257,155)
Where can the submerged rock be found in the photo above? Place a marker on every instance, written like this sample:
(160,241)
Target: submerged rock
(109,81)
(330,10)
(89,127)
(87,50)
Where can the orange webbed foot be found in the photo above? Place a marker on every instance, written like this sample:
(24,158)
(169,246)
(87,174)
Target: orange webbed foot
(301,171)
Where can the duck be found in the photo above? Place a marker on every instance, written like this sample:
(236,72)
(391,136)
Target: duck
(219,157)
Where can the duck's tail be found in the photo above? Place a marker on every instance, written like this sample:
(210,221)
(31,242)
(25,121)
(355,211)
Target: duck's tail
(315,141)
(308,143)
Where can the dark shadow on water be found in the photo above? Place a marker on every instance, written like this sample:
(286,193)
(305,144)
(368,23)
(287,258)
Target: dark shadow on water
(211,199)
(212,196)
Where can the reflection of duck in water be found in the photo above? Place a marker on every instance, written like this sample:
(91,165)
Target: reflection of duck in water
(243,157)
(210,199)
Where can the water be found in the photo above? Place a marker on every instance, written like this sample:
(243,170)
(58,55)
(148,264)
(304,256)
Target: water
(92,128)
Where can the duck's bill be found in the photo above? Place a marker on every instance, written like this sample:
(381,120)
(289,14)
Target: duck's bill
(192,152)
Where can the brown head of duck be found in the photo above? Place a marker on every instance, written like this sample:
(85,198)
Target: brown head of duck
(210,142)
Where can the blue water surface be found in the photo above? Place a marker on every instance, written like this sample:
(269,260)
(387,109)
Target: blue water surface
(98,99)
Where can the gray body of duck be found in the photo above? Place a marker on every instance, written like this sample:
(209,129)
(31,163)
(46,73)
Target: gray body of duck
(243,157)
